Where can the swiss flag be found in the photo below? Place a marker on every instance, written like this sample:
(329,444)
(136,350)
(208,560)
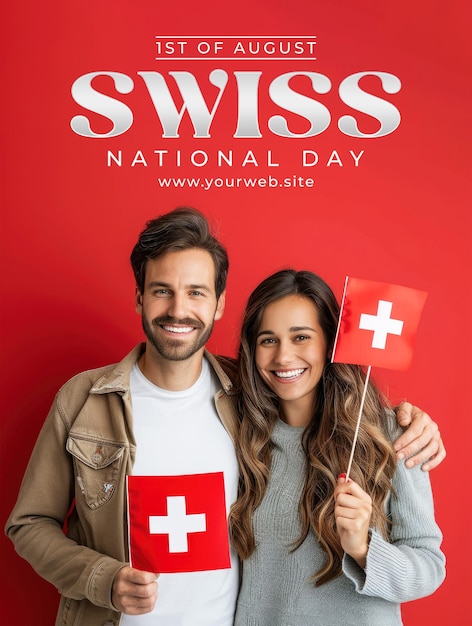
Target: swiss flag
(377,324)
(178,523)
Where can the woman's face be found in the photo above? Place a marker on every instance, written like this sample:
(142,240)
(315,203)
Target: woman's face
(291,352)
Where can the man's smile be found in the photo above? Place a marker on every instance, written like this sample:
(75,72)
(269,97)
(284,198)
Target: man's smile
(177,326)
(178,329)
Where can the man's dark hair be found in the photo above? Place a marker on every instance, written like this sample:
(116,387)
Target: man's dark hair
(181,229)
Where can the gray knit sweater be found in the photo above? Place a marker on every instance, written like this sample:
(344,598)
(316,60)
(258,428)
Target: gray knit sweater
(276,588)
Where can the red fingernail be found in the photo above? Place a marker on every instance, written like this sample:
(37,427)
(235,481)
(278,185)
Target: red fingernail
(343,475)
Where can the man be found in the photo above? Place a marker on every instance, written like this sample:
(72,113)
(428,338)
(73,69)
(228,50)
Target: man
(166,414)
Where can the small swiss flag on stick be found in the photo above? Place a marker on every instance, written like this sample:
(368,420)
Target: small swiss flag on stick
(377,324)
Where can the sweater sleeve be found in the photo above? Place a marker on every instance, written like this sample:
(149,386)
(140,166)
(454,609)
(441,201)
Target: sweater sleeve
(35,524)
(410,565)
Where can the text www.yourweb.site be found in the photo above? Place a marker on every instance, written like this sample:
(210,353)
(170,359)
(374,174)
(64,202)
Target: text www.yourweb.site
(270,182)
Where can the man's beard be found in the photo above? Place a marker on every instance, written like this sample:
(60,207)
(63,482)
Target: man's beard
(174,349)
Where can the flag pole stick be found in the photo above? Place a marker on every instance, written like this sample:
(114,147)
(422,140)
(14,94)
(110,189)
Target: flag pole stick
(358,421)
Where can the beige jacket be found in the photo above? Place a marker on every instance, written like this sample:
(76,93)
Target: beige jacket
(82,456)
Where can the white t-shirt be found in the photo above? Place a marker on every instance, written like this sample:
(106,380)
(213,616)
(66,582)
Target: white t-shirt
(179,434)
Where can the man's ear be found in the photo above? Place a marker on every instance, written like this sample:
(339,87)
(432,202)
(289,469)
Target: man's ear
(220,306)
(139,301)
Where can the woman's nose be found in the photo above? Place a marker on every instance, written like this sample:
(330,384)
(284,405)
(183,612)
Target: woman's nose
(284,353)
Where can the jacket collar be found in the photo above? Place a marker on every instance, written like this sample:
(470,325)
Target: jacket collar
(116,379)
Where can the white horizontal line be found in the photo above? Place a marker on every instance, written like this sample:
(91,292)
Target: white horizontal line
(238,36)
(235,58)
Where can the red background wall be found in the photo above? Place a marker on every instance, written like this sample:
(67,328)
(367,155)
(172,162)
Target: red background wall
(68,221)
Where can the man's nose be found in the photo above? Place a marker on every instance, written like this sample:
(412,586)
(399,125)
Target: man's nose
(177,306)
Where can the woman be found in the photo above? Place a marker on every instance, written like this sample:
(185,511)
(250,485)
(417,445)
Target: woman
(317,550)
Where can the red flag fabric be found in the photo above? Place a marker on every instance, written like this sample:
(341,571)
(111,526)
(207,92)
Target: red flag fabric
(377,324)
(178,523)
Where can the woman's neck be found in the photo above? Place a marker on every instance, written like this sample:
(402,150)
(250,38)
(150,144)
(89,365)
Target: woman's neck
(296,413)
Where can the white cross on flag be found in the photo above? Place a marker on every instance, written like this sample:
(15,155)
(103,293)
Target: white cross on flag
(178,523)
(377,324)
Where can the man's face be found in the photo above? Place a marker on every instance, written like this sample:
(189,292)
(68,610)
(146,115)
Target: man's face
(179,304)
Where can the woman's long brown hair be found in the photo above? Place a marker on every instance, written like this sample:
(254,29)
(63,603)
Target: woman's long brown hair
(327,440)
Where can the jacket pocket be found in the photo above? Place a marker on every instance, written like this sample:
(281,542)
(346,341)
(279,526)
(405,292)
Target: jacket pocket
(97,468)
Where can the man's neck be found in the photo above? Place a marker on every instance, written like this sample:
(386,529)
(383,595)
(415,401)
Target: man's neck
(170,375)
